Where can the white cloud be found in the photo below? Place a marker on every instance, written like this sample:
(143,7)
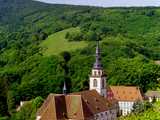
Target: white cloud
(107,3)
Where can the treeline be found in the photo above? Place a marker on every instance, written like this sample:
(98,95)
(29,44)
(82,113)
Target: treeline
(129,41)
(137,24)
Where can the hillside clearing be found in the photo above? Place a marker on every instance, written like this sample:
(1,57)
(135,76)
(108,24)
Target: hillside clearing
(56,43)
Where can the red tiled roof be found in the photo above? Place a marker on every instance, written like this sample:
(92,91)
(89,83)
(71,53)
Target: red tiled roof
(153,93)
(78,106)
(126,93)
(95,102)
(74,107)
(46,111)
(157,62)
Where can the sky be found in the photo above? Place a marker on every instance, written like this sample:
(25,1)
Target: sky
(107,3)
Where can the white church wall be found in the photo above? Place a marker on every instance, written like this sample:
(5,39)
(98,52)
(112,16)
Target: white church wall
(98,88)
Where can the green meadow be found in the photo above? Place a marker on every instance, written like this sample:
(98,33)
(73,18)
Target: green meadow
(56,43)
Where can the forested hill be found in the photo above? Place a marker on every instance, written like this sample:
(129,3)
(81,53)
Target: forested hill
(22,12)
(13,11)
(42,45)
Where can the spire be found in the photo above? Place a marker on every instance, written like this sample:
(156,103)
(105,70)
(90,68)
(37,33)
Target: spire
(64,88)
(97,64)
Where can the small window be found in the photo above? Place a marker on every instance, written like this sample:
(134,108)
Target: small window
(99,73)
(97,116)
(95,83)
(103,83)
(95,73)
(106,113)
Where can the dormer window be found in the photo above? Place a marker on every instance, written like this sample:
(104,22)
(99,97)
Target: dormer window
(86,101)
(97,108)
(96,99)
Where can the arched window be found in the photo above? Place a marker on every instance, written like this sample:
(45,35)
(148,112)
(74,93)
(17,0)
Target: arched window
(95,83)
(99,73)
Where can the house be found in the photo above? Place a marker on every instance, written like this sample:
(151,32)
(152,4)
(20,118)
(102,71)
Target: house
(92,104)
(85,105)
(126,97)
(153,95)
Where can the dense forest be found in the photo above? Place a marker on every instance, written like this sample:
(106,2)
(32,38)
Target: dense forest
(129,39)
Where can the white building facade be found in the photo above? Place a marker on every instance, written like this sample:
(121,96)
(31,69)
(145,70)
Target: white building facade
(125,107)
(98,82)
(153,95)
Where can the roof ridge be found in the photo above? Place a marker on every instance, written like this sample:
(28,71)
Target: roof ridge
(82,106)
(53,102)
(123,86)
(44,105)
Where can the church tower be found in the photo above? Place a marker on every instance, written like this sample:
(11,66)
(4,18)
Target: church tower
(97,77)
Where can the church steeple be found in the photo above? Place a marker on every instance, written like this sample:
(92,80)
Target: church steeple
(97,77)
(64,88)
(97,64)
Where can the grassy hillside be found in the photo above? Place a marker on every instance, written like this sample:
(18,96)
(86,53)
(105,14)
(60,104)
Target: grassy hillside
(57,43)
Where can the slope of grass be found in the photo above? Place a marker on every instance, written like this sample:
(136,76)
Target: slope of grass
(56,43)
